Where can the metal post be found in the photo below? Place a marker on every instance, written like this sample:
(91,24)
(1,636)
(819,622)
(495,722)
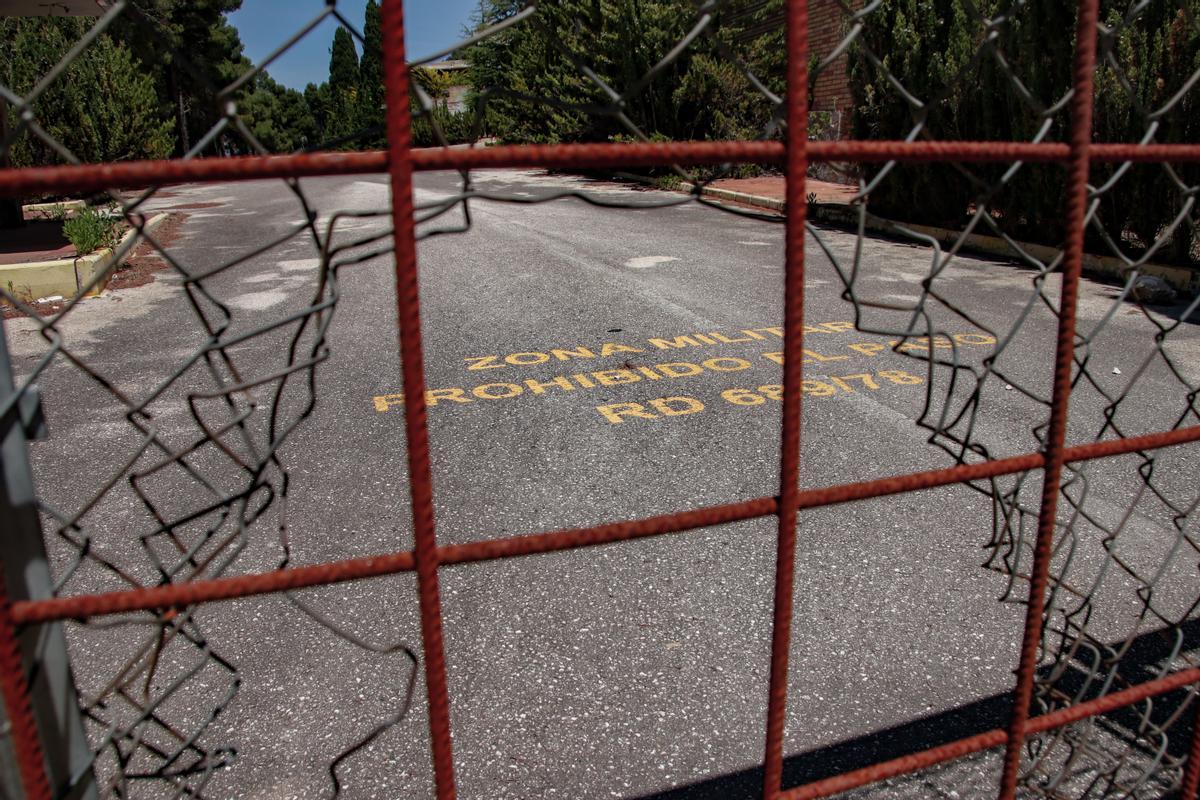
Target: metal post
(59,739)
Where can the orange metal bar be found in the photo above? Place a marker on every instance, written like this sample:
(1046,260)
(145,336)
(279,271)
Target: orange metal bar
(1190,787)
(14,687)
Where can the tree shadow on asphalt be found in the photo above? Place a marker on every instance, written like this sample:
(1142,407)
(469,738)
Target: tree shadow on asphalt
(1140,663)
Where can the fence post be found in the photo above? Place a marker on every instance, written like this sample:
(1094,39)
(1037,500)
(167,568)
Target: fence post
(59,740)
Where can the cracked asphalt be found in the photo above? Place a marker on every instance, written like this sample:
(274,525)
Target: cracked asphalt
(591,364)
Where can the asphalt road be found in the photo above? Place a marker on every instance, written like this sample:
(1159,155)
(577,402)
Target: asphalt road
(554,332)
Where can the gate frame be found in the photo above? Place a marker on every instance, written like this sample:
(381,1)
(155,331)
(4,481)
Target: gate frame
(427,557)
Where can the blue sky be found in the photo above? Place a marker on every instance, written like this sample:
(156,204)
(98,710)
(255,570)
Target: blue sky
(430,25)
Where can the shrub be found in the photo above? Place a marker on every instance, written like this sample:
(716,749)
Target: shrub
(93,229)
(456,127)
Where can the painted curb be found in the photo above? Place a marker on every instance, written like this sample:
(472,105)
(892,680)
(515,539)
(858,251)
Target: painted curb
(36,279)
(46,209)
(738,197)
(1182,279)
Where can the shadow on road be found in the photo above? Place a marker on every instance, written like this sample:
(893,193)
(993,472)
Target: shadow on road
(1139,664)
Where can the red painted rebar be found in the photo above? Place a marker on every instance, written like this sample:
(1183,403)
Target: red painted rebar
(408,312)
(606,534)
(27,746)
(984,741)
(1190,786)
(93,177)
(699,153)
(179,595)
(185,594)
(793,340)
(1076,210)
(400,161)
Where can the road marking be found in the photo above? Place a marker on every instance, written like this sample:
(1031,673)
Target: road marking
(257,301)
(756,244)
(825,386)
(666,406)
(299,264)
(825,352)
(607,349)
(646,262)
(670,370)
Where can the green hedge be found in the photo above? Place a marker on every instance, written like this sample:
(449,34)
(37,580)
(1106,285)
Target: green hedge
(936,51)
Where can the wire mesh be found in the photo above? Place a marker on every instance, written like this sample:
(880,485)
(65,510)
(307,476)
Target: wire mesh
(1110,552)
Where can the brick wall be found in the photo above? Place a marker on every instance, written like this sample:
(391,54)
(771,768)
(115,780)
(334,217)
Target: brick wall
(826,29)
(827,26)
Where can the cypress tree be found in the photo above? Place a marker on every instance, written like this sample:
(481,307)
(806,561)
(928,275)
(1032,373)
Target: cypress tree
(924,45)
(370,76)
(343,86)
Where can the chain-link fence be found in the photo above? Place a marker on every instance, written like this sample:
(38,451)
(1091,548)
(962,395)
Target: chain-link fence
(1091,524)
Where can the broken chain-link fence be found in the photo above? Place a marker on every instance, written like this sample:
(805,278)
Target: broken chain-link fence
(1091,514)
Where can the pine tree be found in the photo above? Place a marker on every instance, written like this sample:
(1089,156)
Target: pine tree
(620,40)
(191,51)
(279,118)
(103,108)
(317,98)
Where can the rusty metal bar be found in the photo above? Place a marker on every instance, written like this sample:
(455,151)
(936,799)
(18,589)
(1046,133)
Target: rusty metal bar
(412,363)
(534,544)
(93,177)
(179,595)
(1056,432)
(26,740)
(795,154)
(51,692)
(1190,786)
(793,340)
(985,741)
(185,594)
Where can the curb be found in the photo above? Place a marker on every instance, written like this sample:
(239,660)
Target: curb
(65,277)
(47,208)
(738,197)
(1182,279)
